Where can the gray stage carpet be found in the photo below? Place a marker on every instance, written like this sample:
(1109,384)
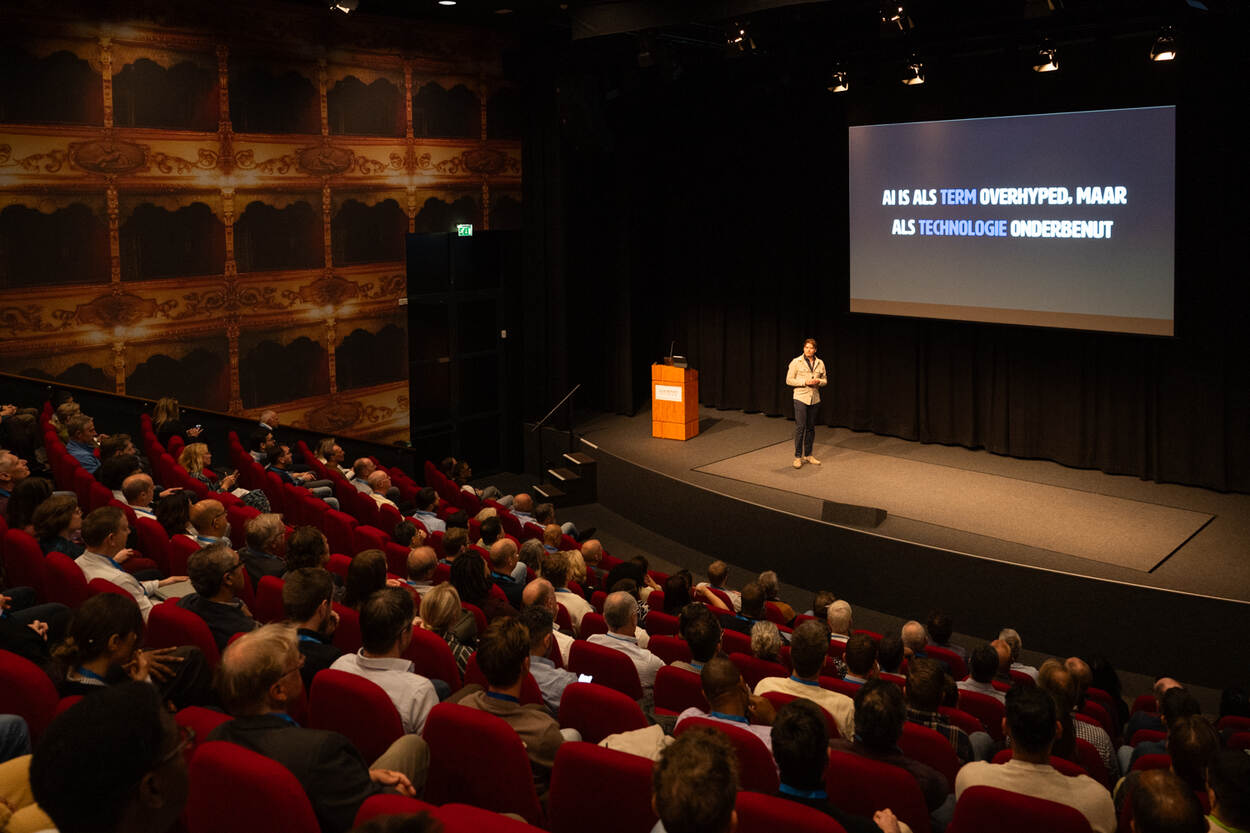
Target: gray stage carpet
(1112,530)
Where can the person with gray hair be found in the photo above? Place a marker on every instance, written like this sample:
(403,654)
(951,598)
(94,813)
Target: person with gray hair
(503,563)
(422,562)
(217,574)
(766,642)
(266,543)
(914,639)
(840,620)
(1009,636)
(620,612)
(258,681)
(772,593)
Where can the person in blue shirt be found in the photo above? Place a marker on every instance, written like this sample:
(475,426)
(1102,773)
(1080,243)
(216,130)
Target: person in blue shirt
(82,442)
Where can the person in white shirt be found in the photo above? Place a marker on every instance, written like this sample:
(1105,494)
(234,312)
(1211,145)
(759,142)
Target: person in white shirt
(730,701)
(620,612)
(385,633)
(556,570)
(1032,725)
(379,485)
(551,681)
(422,562)
(540,592)
(808,647)
(104,532)
(1012,638)
(139,492)
(807,376)
(983,664)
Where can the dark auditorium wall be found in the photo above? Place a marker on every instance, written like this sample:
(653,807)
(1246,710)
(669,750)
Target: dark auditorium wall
(213,204)
(719,221)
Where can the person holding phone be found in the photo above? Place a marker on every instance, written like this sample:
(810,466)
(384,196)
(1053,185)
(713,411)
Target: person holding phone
(807,376)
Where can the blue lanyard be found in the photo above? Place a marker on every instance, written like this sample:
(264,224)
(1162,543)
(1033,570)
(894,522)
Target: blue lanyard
(498,695)
(786,789)
(86,672)
(286,717)
(804,682)
(303,637)
(736,718)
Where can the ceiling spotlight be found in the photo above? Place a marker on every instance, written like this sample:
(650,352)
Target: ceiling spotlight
(894,17)
(738,40)
(446,2)
(1047,59)
(1164,48)
(838,82)
(344,6)
(913,75)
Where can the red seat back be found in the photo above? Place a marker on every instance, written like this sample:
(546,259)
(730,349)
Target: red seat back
(1095,710)
(431,657)
(356,708)
(756,769)
(930,747)
(958,668)
(862,786)
(103,585)
(658,623)
(233,788)
(669,648)
(754,669)
(268,606)
(956,717)
(779,699)
(592,623)
(170,626)
(25,690)
(66,583)
(24,564)
(758,813)
(98,495)
(988,808)
(347,634)
(1152,761)
(366,537)
(607,666)
(578,795)
(154,543)
(598,711)
(677,689)
(396,559)
(202,721)
(180,550)
(460,739)
(735,643)
(1087,756)
(989,710)
(239,514)
(338,530)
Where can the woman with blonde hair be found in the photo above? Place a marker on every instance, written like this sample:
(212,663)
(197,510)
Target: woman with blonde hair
(167,421)
(196,458)
(441,613)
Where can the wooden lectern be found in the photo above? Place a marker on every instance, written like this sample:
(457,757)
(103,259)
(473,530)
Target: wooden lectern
(674,402)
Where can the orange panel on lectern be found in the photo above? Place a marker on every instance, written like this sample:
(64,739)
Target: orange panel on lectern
(674,402)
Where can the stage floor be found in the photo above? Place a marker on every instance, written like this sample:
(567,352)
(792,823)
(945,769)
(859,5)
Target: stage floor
(1029,512)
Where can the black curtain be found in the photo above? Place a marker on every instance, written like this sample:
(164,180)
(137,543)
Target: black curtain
(710,209)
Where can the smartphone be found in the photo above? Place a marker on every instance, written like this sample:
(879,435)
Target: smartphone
(585,678)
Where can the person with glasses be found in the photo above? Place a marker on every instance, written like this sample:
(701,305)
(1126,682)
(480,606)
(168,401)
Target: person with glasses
(112,762)
(218,575)
(258,680)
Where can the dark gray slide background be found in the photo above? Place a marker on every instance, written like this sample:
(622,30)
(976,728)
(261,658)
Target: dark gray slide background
(1129,275)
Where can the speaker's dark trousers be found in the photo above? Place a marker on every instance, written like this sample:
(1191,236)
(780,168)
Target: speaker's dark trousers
(804,428)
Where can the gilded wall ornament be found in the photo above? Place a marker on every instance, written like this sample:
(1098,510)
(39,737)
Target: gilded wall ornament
(109,157)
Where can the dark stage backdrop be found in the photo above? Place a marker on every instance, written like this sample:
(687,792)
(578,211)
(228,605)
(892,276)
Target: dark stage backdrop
(718,219)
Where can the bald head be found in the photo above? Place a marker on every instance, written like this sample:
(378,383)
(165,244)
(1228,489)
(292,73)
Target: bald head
(1080,671)
(540,592)
(138,490)
(379,481)
(1054,678)
(1004,656)
(1163,803)
(522,502)
(421,563)
(503,555)
(1162,685)
(552,535)
(913,636)
(206,516)
(592,551)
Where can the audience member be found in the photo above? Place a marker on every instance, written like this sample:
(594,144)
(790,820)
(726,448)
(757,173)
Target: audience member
(925,683)
(540,592)
(365,576)
(556,571)
(112,763)
(441,613)
(422,562)
(1054,678)
(196,458)
(772,593)
(551,680)
(914,639)
(385,634)
(167,422)
(765,641)
(821,600)
(308,602)
(801,750)
(840,619)
(890,657)
(26,497)
(982,666)
(258,681)
(702,632)
(1163,803)
(860,659)
(454,540)
(503,560)
(717,574)
(503,655)
(218,576)
(1031,724)
(879,716)
(211,522)
(620,612)
(379,484)
(57,522)
(939,628)
(471,577)
(104,533)
(266,544)
(1228,788)
(279,461)
(13,470)
(102,649)
(695,783)
(138,492)
(808,648)
(82,441)
(173,513)
(752,610)
(307,547)
(730,701)
(1014,642)
(427,510)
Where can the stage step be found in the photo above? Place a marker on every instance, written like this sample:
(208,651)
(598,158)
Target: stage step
(586,468)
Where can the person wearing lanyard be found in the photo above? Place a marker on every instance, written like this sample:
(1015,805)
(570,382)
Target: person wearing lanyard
(807,376)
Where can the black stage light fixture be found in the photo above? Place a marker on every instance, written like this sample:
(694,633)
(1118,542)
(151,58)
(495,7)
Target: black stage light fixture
(1164,47)
(913,73)
(1047,58)
(344,6)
